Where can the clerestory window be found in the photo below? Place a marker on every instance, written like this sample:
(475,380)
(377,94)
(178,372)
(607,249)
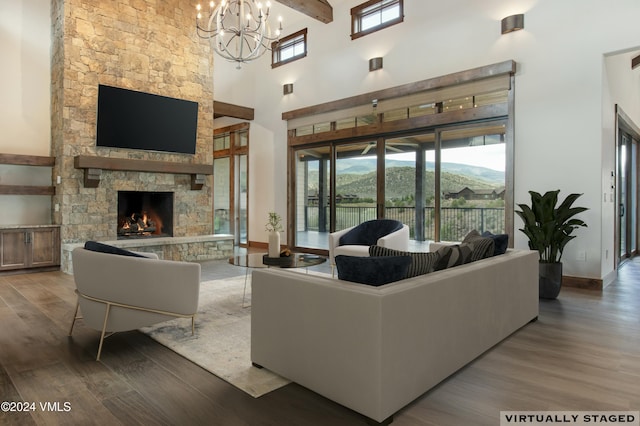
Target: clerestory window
(375,15)
(289,48)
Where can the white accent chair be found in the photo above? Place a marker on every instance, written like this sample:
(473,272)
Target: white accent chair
(121,292)
(398,240)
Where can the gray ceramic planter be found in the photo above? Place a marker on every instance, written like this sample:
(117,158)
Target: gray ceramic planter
(550,276)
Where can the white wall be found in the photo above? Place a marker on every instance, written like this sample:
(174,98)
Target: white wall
(25,40)
(25,76)
(559,136)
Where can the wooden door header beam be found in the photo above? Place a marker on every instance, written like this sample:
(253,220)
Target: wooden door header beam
(635,62)
(506,67)
(317,9)
(222,109)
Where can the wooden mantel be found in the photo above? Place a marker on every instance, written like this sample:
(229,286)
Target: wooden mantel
(93,167)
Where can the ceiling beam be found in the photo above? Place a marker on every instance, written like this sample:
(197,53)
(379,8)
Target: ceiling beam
(635,62)
(223,109)
(317,9)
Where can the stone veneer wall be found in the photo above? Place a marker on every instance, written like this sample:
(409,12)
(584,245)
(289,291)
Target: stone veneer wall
(144,45)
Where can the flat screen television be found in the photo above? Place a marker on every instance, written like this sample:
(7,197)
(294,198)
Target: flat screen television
(138,120)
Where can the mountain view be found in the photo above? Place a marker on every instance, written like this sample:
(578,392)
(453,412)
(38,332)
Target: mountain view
(358,177)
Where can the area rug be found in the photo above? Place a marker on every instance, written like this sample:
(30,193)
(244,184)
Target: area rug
(222,342)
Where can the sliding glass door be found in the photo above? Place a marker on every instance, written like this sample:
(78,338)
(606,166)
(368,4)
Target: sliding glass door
(633,199)
(472,180)
(409,186)
(622,194)
(241,199)
(435,154)
(627,195)
(221,196)
(312,171)
(230,182)
(442,183)
(356,184)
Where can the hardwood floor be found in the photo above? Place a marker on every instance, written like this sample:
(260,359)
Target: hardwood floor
(582,354)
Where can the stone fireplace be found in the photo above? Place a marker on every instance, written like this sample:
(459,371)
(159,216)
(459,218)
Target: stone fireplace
(147,46)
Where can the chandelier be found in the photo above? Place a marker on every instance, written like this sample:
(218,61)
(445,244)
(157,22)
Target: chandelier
(238,29)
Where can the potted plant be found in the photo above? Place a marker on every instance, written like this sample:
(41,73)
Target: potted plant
(549,229)
(274,227)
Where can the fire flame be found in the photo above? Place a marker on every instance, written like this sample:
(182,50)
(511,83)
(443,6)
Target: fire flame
(142,223)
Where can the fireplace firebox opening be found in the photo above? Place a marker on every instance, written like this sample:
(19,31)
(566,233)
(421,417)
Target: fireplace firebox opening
(144,214)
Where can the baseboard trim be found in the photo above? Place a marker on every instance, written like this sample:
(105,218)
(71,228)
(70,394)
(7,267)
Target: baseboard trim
(258,244)
(583,283)
(609,278)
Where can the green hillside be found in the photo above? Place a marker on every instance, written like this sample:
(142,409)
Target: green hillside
(400,183)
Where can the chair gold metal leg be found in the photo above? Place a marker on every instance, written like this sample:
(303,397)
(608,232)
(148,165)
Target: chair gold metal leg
(104,329)
(108,304)
(75,317)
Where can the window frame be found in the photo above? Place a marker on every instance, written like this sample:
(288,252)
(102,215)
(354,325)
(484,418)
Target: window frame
(236,148)
(288,41)
(357,14)
(471,81)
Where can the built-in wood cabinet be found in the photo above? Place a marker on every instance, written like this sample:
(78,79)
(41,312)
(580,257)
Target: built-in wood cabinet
(24,248)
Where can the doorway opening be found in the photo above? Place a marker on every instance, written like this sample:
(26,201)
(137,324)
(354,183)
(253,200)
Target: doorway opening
(627,165)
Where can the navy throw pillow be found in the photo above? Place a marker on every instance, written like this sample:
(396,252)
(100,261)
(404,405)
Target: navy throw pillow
(368,233)
(501,242)
(106,248)
(374,271)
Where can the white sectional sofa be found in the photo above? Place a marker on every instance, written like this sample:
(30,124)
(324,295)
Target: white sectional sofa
(376,349)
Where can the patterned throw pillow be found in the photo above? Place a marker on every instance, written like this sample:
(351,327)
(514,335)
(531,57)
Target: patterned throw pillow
(481,247)
(421,263)
(454,255)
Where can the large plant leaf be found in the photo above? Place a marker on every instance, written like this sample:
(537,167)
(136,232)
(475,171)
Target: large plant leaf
(546,206)
(527,215)
(532,229)
(568,202)
(549,228)
(563,217)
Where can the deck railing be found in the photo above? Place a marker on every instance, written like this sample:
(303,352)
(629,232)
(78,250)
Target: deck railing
(456,222)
